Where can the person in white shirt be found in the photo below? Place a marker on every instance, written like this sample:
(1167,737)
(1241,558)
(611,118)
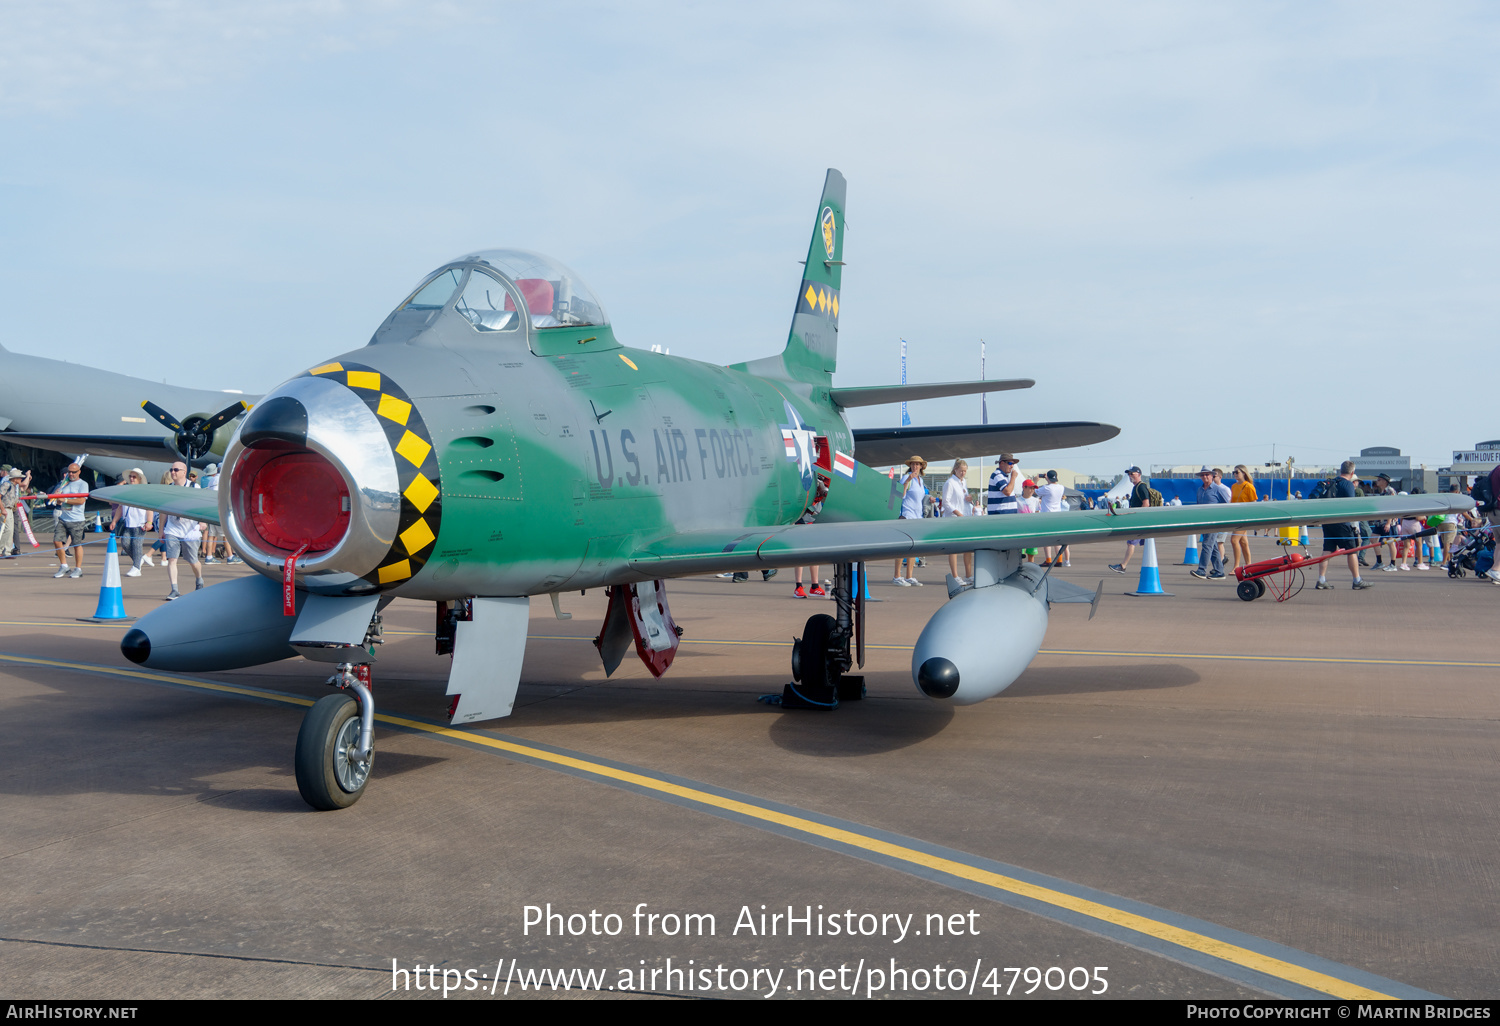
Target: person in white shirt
(181,537)
(956,504)
(68,526)
(129,524)
(1050,495)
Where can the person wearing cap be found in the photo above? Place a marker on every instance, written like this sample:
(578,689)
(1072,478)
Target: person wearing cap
(1029,504)
(1210,556)
(1050,495)
(129,523)
(1384,530)
(913,492)
(1140,495)
(1004,493)
(11,490)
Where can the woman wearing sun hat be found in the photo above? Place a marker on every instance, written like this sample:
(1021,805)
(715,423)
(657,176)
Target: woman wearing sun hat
(913,492)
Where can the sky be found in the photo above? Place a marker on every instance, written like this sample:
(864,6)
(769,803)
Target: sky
(1230,229)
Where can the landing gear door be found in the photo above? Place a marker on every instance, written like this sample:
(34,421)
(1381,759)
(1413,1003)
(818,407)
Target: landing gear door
(639,612)
(487,654)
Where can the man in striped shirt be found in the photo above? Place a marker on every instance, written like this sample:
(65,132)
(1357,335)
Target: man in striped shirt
(1005,486)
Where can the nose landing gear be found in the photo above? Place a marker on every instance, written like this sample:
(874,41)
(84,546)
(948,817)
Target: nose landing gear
(336,745)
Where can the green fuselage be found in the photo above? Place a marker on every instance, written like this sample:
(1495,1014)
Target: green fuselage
(562,457)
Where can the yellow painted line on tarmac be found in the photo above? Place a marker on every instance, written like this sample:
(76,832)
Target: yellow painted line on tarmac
(206,685)
(1118,917)
(58,623)
(1164,931)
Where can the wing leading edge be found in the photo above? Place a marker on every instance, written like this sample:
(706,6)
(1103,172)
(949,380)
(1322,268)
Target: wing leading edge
(878,395)
(799,545)
(192,503)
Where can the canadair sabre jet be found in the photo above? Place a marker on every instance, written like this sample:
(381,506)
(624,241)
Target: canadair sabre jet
(494,441)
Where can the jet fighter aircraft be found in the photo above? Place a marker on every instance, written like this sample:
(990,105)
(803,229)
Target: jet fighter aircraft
(494,441)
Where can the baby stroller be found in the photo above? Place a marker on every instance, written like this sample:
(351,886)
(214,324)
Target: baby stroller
(1475,552)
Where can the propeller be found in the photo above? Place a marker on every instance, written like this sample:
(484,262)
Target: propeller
(194,436)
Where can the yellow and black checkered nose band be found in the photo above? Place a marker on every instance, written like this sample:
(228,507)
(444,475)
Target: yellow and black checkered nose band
(416,469)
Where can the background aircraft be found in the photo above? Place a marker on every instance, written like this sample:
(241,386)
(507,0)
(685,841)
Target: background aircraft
(494,441)
(114,418)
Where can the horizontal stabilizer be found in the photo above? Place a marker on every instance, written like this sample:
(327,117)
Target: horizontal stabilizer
(190,503)
(877,395)
(883,447)
(126,447)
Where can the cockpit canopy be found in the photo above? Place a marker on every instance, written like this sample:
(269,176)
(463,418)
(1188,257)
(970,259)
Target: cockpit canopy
(488,288)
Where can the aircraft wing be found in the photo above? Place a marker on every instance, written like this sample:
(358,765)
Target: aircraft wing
(881,447)
(701,552)
(191,503)
(126,447)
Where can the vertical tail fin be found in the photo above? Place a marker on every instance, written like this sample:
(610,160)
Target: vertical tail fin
(812,345)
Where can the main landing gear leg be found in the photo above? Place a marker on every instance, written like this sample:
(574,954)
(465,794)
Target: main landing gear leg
(336,745)
(822,657)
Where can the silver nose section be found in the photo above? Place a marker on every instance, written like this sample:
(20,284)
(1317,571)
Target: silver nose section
(312,469)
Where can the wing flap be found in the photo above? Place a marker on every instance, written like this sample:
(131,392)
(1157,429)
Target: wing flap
(190,503)
(799,545)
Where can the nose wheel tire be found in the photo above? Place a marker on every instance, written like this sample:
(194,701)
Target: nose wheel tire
(328,773)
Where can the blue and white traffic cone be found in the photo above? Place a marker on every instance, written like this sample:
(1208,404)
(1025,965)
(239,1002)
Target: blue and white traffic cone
(1190,557)
(1150,582)
(1302,538)
(111,607)
(862,583)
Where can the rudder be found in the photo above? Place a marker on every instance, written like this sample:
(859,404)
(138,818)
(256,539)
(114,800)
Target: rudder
(812,344)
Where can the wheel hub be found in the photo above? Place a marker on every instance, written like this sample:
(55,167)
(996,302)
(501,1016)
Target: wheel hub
(350,770)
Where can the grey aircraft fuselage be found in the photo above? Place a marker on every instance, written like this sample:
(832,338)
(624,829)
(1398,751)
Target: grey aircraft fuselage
(40,396)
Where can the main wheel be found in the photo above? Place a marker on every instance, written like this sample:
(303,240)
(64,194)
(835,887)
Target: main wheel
(328,774)
(810,656)
(1248,591)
